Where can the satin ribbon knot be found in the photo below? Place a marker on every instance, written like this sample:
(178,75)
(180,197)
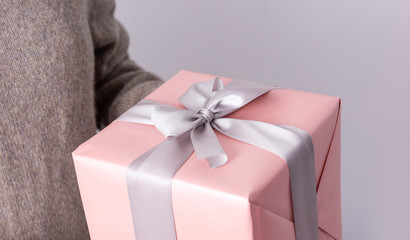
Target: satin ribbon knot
(206,114)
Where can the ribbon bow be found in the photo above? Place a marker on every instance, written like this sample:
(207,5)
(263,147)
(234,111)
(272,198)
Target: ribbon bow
(206,103)
(190,129)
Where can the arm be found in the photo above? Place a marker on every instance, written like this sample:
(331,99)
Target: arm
(119,82)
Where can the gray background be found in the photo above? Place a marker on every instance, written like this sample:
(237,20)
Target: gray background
(356,49)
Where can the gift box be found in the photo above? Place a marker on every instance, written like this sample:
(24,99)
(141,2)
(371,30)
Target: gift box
(248,198)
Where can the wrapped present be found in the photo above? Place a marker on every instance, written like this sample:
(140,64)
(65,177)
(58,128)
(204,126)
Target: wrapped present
(266,165)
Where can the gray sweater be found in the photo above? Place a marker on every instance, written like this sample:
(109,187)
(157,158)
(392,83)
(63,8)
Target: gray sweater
(64,72)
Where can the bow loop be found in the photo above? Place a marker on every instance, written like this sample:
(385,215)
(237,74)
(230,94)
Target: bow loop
(172,121)
(235,95)
(198,95)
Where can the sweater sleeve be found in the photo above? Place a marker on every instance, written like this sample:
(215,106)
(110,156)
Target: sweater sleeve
(119,81)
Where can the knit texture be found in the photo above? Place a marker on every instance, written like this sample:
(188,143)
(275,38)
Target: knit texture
(64,72)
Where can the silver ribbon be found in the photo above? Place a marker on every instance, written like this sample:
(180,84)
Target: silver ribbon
(149,176)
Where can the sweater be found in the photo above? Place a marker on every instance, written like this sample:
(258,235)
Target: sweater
(64,73)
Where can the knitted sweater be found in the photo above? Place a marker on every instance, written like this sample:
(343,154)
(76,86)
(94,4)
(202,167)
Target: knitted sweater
(64,72)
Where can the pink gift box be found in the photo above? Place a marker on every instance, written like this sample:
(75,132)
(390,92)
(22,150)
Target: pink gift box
(249,198)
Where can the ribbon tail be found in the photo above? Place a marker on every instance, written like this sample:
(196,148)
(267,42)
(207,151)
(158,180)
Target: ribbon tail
(206,145)
(149,179)
(295,146)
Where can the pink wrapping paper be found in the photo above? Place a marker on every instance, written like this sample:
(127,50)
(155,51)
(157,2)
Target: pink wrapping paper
(246,199)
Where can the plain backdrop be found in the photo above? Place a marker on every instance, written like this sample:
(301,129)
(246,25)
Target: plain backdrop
(358,50)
